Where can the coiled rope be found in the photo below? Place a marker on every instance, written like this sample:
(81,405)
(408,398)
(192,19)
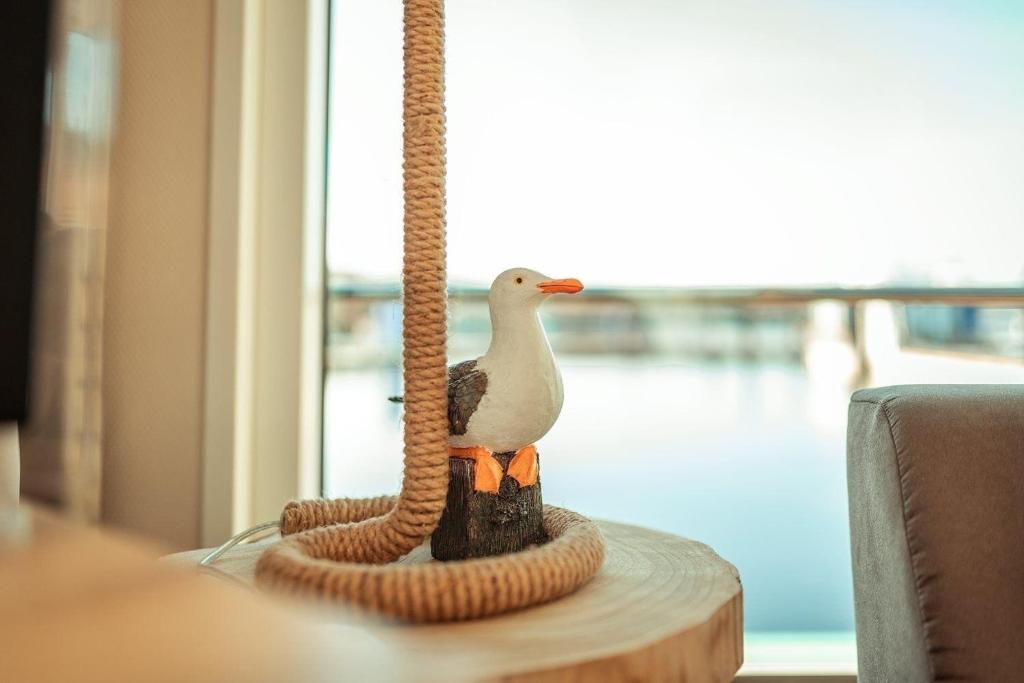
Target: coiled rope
(344,549)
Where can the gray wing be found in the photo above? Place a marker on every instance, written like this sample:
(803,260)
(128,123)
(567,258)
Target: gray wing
(466,386)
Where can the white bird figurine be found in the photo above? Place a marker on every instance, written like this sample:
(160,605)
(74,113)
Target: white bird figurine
(511,396)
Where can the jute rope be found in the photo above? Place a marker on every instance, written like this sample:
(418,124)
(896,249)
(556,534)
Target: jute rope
(343,549)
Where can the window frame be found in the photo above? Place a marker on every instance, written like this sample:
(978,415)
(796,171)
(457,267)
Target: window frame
(263,393)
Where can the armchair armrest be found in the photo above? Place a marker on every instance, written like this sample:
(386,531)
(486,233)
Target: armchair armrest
(936,487)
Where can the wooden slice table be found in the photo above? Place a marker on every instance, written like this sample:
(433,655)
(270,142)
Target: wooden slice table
(663,608)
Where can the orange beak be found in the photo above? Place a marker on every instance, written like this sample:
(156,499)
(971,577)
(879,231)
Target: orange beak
(568,286)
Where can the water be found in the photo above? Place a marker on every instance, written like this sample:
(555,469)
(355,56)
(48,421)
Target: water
(747,458)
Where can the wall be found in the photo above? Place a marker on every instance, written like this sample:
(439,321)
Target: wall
(156,250)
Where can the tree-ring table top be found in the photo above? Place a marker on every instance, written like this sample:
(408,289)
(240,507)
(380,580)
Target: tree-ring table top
(661,608)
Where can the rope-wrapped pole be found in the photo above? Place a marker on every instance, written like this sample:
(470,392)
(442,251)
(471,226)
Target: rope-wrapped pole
(425,363)
(330,547)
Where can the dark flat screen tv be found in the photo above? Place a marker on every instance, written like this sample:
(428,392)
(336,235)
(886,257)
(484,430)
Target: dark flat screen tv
(24,43)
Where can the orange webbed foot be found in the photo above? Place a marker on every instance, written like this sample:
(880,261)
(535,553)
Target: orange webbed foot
(523,467)
(487,472)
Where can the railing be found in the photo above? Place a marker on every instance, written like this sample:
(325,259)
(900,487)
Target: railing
(1012,297)
(753,298)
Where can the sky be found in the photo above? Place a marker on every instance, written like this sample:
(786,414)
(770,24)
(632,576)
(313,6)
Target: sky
(702,143)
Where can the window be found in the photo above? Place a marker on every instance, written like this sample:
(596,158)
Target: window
(771,205)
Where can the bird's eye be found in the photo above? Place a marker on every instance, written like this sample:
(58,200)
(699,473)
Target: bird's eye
(519,280)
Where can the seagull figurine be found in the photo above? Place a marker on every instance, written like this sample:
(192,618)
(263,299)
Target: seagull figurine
(511,396)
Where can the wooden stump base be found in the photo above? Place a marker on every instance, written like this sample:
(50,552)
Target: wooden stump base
(662,608)
(480,524)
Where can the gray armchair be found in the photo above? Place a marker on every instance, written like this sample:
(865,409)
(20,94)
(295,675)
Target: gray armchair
(936,483)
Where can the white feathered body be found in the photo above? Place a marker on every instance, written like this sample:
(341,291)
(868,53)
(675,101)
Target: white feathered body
(524,387)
